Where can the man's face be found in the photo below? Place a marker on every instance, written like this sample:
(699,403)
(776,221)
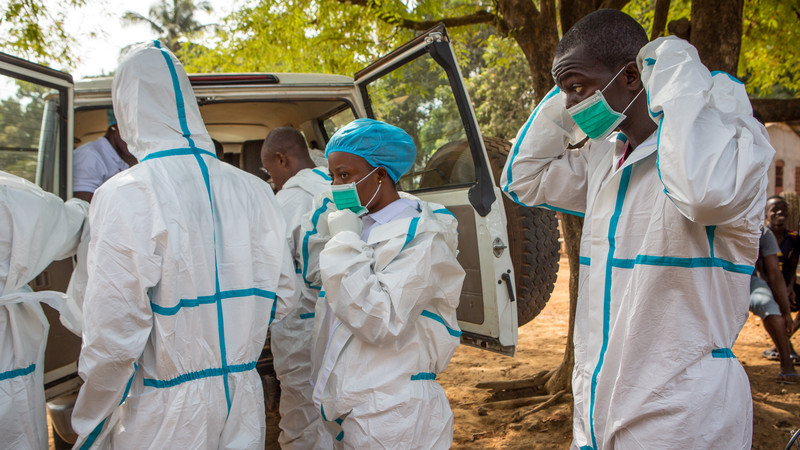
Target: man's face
(277,166)
(776,213)
(579,76)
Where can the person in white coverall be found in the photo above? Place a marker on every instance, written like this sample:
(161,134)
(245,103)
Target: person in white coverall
(36,228)
(386,322)
(672,208)
(188,264)
(298,180)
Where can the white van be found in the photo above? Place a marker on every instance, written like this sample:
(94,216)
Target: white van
(510,253)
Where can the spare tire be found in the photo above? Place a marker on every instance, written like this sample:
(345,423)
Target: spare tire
(533,237)
(532,232)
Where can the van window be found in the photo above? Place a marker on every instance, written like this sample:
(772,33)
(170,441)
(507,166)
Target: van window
(22,106)
(338,120)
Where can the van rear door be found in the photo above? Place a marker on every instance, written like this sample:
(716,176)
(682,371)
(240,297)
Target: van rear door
(419,88)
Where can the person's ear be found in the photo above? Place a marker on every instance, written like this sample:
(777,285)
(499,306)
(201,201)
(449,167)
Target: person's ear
(282,160)
(381,174)
(633,78)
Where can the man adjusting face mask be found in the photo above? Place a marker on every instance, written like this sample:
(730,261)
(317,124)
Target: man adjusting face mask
(595,117)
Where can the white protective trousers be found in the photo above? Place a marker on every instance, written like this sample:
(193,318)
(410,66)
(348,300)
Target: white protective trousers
(188,265)
(290,338)
(669,242)
(36,228)
(385,325)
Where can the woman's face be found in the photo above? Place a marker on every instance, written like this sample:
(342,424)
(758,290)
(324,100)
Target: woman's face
(348,168)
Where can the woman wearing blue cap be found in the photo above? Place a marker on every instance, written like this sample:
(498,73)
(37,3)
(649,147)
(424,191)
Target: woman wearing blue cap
(386,321)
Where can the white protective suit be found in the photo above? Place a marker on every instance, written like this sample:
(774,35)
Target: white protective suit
(385,326)
(188,264)
(301,424)
(36,228)
(669,242)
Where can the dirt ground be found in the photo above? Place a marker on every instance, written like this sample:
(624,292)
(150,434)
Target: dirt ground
(776,407)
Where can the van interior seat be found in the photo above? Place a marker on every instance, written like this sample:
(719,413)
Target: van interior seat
(251,158)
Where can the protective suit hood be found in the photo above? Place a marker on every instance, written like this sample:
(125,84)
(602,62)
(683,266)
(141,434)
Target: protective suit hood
(152,113)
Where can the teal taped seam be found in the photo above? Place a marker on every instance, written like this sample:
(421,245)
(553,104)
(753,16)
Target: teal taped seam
(585,260)
(412,232)
(423,376)
(128,386)
(586,447)
(555,208)
(322,411)
(649,61)
(438,318)
(710,233)
(177,152)
(179,102)
(722,353)
(17,372)
(340,436)
(515,150)
(200,374)
(210,299)
(93,436)
(339,420)
(443,211)
(688,263)
(314,219)
(612,245)
(324,176)
(307,315)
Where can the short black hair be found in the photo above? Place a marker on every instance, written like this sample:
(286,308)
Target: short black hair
(776,197)
(611,36)
(286,140)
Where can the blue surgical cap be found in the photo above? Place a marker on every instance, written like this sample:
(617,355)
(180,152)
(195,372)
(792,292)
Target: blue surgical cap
(381,144)
(110,118)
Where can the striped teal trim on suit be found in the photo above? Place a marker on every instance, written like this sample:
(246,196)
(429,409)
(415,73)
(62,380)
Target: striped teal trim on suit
(17,372)
(722,353)
(423,376)
(515,150)
(612,245)
(210,299)
(555,208)
(178,152)
(191,376)
(438,318)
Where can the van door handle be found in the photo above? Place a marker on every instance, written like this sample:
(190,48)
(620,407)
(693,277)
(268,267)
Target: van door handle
(507,278)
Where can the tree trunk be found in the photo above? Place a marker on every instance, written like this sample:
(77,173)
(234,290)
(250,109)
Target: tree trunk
(716,32)
(777,110)
(536,33)
(572,226)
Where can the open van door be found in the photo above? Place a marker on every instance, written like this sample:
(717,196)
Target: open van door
(36,105)
(419,88)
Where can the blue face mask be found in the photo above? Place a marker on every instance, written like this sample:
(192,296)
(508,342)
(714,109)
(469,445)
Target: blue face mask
(595,117)
(345,196)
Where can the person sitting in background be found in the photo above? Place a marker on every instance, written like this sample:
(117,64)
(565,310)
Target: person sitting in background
(95,162)
(768,300)
(297,180)
(789,244)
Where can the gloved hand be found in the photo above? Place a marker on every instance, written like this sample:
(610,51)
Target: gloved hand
(344,220)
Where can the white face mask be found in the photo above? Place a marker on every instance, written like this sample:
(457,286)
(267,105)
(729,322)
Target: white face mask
(345,196)
(594,115)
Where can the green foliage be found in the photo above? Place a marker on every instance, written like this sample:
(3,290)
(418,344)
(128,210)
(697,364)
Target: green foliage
(769,62)
(321,36)
(20,123)
(172,20)
(34,30)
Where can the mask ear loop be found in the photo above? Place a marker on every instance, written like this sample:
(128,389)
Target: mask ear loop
(380,183)
(615,77)
(634,99)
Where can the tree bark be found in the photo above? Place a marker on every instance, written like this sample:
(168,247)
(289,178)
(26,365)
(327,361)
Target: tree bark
(716,32)
(777,110)
(536,33)
(572,226)
(659,19)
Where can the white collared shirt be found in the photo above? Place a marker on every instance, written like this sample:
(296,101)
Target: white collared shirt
(398,209)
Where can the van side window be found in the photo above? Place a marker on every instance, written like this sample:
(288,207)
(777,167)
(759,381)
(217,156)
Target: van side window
(21,110)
